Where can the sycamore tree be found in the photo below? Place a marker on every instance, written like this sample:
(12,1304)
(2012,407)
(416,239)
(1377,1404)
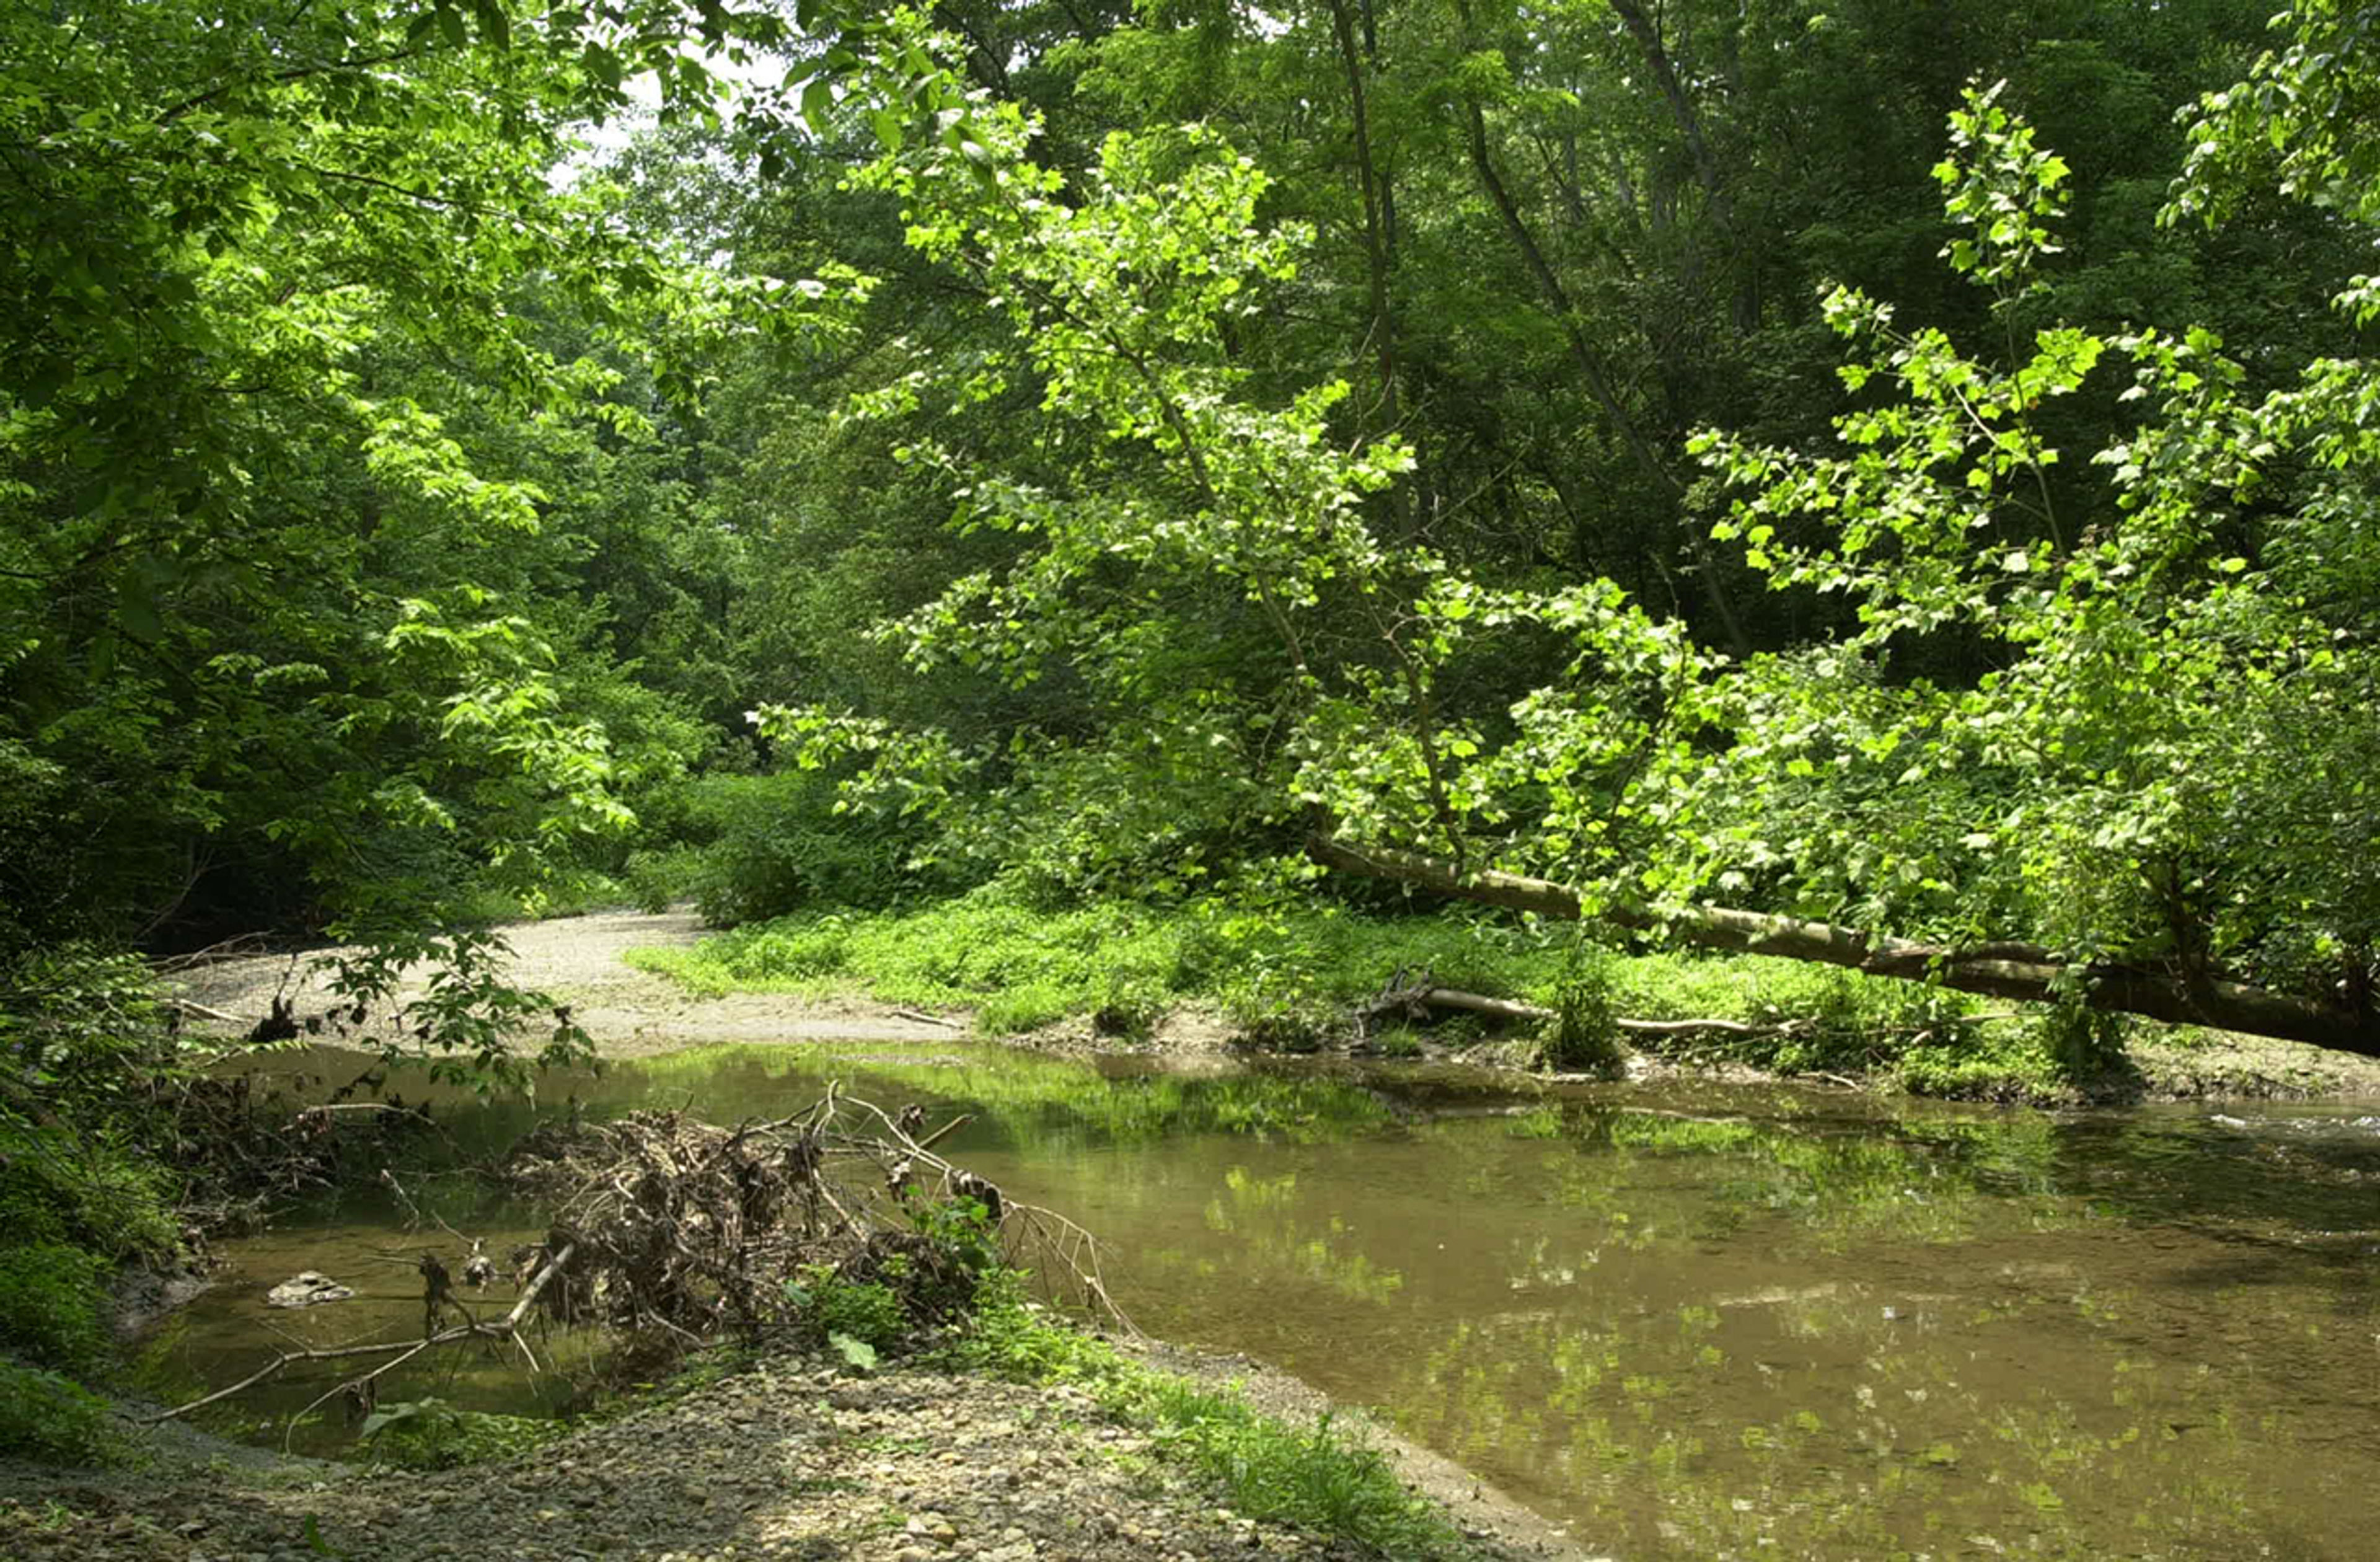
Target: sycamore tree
(1193,574)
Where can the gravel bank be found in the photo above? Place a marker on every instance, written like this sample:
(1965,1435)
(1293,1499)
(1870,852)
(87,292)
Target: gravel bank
(787,1461)
(629,1013)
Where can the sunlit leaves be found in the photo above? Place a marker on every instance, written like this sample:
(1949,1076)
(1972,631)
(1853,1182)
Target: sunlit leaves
(2001,187)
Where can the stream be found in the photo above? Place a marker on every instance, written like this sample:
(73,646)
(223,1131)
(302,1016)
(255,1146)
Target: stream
(1692,1320)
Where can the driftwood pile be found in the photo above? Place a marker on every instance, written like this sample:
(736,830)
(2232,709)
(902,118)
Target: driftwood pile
(692,1228)
(665,1226)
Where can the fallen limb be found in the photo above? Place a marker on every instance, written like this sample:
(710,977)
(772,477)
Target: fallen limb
(1692,1027)
(286,1358)
(947,1130)
(923,1018)
(1428,994)
(508,1328)
(2001,969)
(245,1021)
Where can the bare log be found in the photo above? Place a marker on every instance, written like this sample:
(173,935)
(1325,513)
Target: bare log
(2020,971)
(200,1011)
(388,1349)
(1474,1003)
(1433,996)
(922,1017)
(528,1298)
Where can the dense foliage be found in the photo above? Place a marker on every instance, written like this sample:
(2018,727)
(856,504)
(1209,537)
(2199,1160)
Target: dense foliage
(1866,463)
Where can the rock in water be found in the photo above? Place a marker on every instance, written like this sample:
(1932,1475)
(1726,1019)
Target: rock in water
(307,1289)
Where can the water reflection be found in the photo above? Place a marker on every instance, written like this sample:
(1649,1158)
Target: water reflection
(1711,1323)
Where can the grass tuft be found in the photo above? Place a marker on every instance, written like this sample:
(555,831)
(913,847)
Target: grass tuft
(1327,1478)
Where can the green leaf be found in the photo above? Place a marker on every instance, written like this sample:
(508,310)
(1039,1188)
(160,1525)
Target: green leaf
(858,1352)
(495,26)
(602,65)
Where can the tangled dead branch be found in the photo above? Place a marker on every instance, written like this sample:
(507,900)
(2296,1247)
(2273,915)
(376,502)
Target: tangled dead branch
(694,1229)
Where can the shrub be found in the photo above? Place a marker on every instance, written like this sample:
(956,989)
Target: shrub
(49,1304)
(655,881)
(58,1186)
(901,1285)
(79,1032)
(774,844)
(1586,1028)
(867,1311)
(433,1435)
(46,1418)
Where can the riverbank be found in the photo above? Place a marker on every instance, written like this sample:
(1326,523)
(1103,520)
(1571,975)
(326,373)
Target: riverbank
(677,997)
(789,1459)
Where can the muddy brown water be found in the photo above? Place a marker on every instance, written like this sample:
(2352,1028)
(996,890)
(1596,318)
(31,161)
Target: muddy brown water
(1692,1321)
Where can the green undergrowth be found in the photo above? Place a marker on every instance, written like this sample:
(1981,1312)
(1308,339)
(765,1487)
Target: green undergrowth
(1282,977)
(1290,978)
(429,1433)
(49,1304)
(1326,1477)
(48,1418)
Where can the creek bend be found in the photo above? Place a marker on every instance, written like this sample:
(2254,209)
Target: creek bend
(1694,1321)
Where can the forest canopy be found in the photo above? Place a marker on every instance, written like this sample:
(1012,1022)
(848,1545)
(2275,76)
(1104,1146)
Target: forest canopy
(1781,477)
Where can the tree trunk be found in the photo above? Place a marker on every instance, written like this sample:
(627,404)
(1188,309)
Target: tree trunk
(2004,970)
(1381,334)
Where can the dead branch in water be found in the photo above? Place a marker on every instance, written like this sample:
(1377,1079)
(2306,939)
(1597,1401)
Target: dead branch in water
(666,1225)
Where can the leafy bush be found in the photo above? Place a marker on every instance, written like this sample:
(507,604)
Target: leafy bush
(49,1303)
(48,1418)
(433,1435)
(867,1311)
(1587,1032)
(81,1040)
(87,1189)
(770,844)
(901,1285)
(655,881)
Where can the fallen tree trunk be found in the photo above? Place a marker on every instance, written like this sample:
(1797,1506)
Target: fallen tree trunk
(2000,970)
(1429,995)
